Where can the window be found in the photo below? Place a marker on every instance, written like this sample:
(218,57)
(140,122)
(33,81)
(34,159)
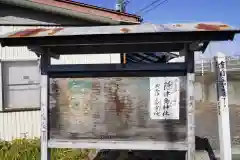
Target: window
(20,85)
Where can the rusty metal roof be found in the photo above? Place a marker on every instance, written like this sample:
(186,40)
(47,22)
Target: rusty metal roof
(143,28)
(121,39)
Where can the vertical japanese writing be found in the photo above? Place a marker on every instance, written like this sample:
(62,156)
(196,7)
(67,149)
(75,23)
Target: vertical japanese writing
(164,97)
(156,90)
(171,98)
(168,85)
(44,108)
(43,122)
(222,81)
(157,97)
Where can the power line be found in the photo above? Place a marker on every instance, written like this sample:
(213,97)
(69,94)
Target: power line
(154,7)
(150,5)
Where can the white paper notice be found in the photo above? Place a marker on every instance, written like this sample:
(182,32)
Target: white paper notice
(164,97)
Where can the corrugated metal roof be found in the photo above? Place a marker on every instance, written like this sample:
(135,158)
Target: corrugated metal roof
(143,28)
(121,39)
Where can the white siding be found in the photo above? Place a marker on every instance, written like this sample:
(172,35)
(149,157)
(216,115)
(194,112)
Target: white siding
(19,124)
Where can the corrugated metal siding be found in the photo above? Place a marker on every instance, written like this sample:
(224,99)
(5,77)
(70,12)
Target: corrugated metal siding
(19,124)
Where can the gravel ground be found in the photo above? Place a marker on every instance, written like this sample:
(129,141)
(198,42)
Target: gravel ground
(207,123)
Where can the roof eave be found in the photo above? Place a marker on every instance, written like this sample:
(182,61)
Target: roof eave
(109,43)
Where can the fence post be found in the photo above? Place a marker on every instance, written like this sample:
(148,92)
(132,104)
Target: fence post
(223,109)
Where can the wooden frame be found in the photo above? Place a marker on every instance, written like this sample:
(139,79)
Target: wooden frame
(184,40)
(106,70)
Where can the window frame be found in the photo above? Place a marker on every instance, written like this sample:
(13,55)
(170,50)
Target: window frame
(3,108)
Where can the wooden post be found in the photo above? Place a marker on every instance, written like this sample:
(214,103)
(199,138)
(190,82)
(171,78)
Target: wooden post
(45,61)
(190,102)
(123,58)
(223,109)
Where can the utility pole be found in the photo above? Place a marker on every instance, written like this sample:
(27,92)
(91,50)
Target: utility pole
(121,5)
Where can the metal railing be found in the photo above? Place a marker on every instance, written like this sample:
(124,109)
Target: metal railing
(207,64)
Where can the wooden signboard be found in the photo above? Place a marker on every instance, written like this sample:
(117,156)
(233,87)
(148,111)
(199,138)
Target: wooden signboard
(115,108)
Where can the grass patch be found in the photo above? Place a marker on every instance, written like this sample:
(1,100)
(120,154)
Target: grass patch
(29,149)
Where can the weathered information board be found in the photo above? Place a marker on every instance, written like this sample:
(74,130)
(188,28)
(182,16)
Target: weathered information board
(119,108)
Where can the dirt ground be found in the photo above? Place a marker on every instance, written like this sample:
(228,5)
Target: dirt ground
(207,123)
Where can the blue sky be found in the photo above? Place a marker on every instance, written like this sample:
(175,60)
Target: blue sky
(226,11)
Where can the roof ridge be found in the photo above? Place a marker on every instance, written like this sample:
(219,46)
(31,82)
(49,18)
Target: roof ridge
(78,10)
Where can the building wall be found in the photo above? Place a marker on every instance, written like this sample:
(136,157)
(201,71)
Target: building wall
(19,124)
(206,93)
(27,123)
